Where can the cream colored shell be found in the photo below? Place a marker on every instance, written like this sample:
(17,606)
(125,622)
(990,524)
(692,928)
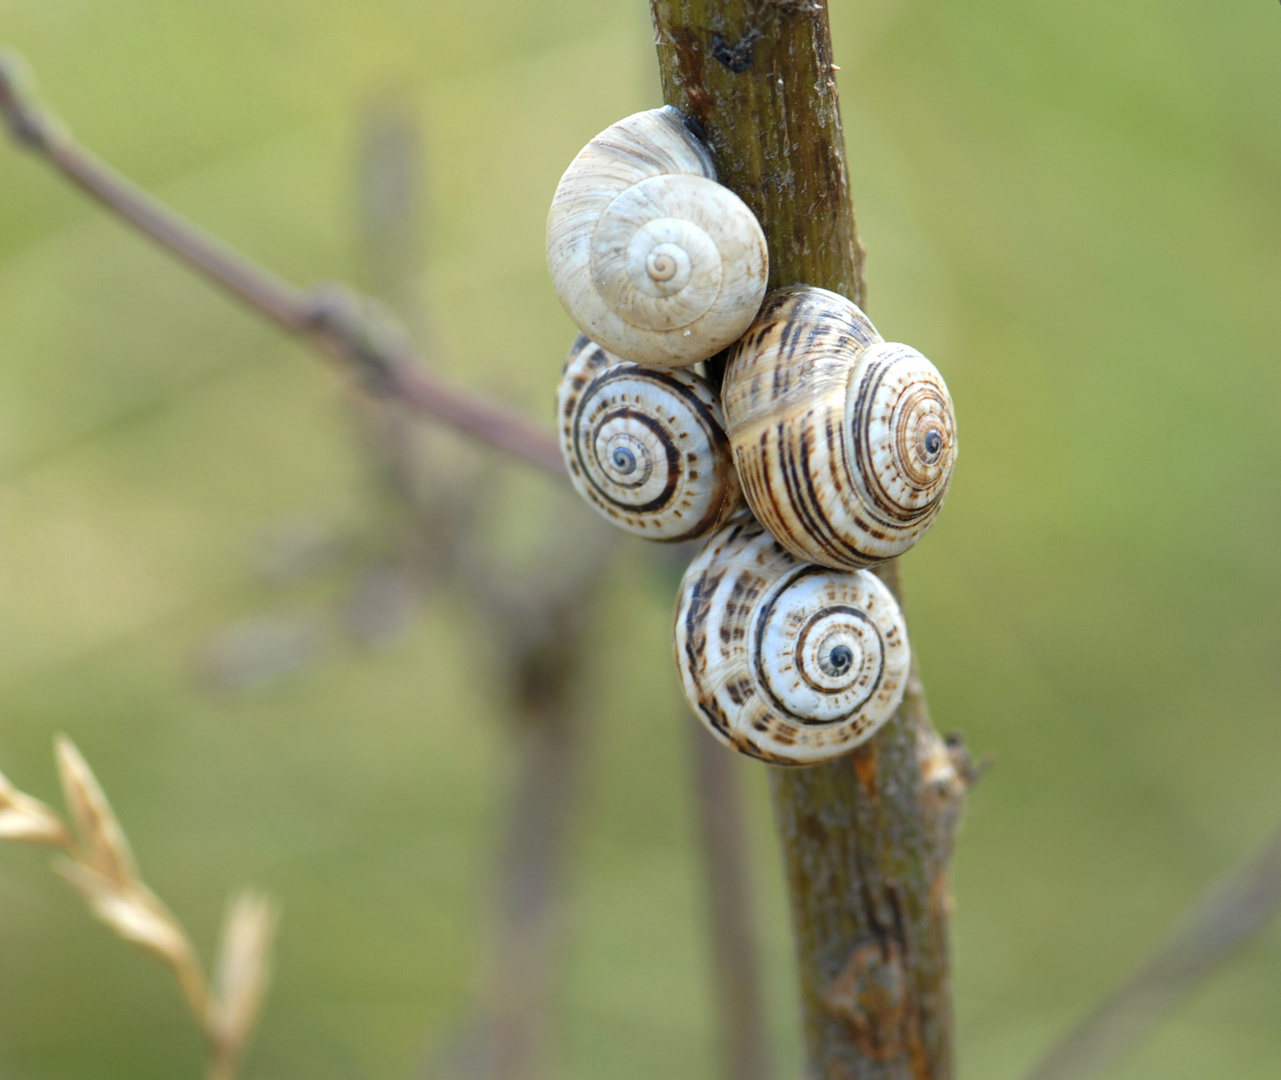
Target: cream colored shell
(645,447)
(844,443)
(650,256)
(785,661)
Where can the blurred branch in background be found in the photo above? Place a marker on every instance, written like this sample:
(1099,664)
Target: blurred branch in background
(427,486)
(357,333)
(533,610)
(1235,908)
(535,613)
(731,903)
(99,866)
(731,910)
(422,496)
(541,635)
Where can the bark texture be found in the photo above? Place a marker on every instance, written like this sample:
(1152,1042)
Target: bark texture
(866,839)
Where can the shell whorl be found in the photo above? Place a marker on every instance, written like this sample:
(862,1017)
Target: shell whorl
(646,447)
(650,256)
(844,443)
(785,661)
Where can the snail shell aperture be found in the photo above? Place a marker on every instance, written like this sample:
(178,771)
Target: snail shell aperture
(646,447)
(650,256)
(844,443)
(785,661)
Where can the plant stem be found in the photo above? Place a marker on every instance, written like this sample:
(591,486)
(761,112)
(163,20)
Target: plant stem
(866,839)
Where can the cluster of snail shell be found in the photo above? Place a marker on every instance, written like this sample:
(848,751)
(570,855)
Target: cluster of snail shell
(840,444)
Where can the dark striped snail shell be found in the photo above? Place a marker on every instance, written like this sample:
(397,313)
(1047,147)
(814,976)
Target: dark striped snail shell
(650,256)
(646,447)
(844,442)
(782,660)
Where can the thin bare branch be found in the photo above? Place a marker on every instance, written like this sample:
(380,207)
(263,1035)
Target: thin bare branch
(1236,907)
(348,328)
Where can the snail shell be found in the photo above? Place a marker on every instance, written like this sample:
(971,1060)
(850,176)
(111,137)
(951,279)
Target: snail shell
(646,447)
(650,256)
(782,660)
(844,443)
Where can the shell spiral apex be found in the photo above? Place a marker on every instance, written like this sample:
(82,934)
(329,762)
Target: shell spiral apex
(650,256)
(785,661)
(844,443)
(645,447)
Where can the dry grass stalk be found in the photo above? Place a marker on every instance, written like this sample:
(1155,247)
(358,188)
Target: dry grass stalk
(28,821)
(104,847)
(135,914)
(240,979)
(99,866)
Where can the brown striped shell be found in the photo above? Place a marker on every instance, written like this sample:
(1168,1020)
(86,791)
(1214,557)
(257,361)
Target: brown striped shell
(786,661)
(844,442)
(650,256)
(646,447)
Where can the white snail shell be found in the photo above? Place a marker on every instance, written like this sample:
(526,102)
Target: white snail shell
(786,661)
(844,443)
(646,447)
(650,256)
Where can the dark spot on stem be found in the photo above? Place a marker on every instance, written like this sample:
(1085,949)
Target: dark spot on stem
(737,57)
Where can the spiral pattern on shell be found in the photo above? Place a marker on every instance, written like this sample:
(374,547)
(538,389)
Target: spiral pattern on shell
(646,447)
(650,256)
(785,661)
(844,443)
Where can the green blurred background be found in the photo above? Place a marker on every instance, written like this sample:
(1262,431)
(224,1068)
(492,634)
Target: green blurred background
(1075,210)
